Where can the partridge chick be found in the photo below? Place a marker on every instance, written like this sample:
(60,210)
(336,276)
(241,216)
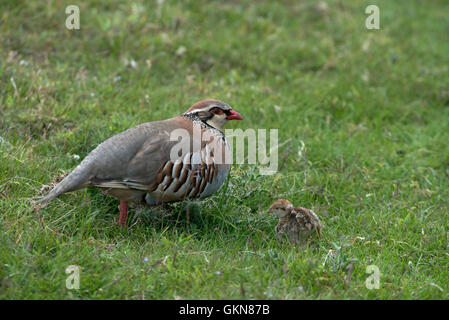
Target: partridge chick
(296,222)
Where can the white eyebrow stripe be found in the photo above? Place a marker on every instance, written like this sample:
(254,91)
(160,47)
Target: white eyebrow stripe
(204,109)
(208,108)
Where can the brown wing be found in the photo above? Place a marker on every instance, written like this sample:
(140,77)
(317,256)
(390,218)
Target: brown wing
(134,159)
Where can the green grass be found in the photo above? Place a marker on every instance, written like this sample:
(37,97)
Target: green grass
(370,107)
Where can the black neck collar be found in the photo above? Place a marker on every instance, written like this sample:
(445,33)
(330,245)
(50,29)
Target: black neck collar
(194,117)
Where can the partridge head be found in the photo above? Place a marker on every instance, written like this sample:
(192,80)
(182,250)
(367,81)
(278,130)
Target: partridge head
(213,113)
(139,165)
(281,208)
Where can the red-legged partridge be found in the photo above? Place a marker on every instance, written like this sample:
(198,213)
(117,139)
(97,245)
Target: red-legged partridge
(296,222)
(149,163)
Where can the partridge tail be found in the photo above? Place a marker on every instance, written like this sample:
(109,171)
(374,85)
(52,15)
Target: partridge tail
(77,179)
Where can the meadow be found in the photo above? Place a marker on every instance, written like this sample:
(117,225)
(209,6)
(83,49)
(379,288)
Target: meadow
(363,120)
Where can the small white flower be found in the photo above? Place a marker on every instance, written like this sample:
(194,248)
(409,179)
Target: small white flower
(277,108)
(145,259)
(365,45)
(322,6)
(133,64)
(76,157)
(130,63)
(365,76)
(181,50)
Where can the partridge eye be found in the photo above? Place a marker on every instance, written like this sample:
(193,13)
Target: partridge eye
(216,111)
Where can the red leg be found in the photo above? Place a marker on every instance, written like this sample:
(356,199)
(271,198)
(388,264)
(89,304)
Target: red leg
(123,213)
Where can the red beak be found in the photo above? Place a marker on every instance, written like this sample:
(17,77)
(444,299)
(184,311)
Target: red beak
(234,115)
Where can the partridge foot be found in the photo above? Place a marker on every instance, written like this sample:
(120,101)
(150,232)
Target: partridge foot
(123,213)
